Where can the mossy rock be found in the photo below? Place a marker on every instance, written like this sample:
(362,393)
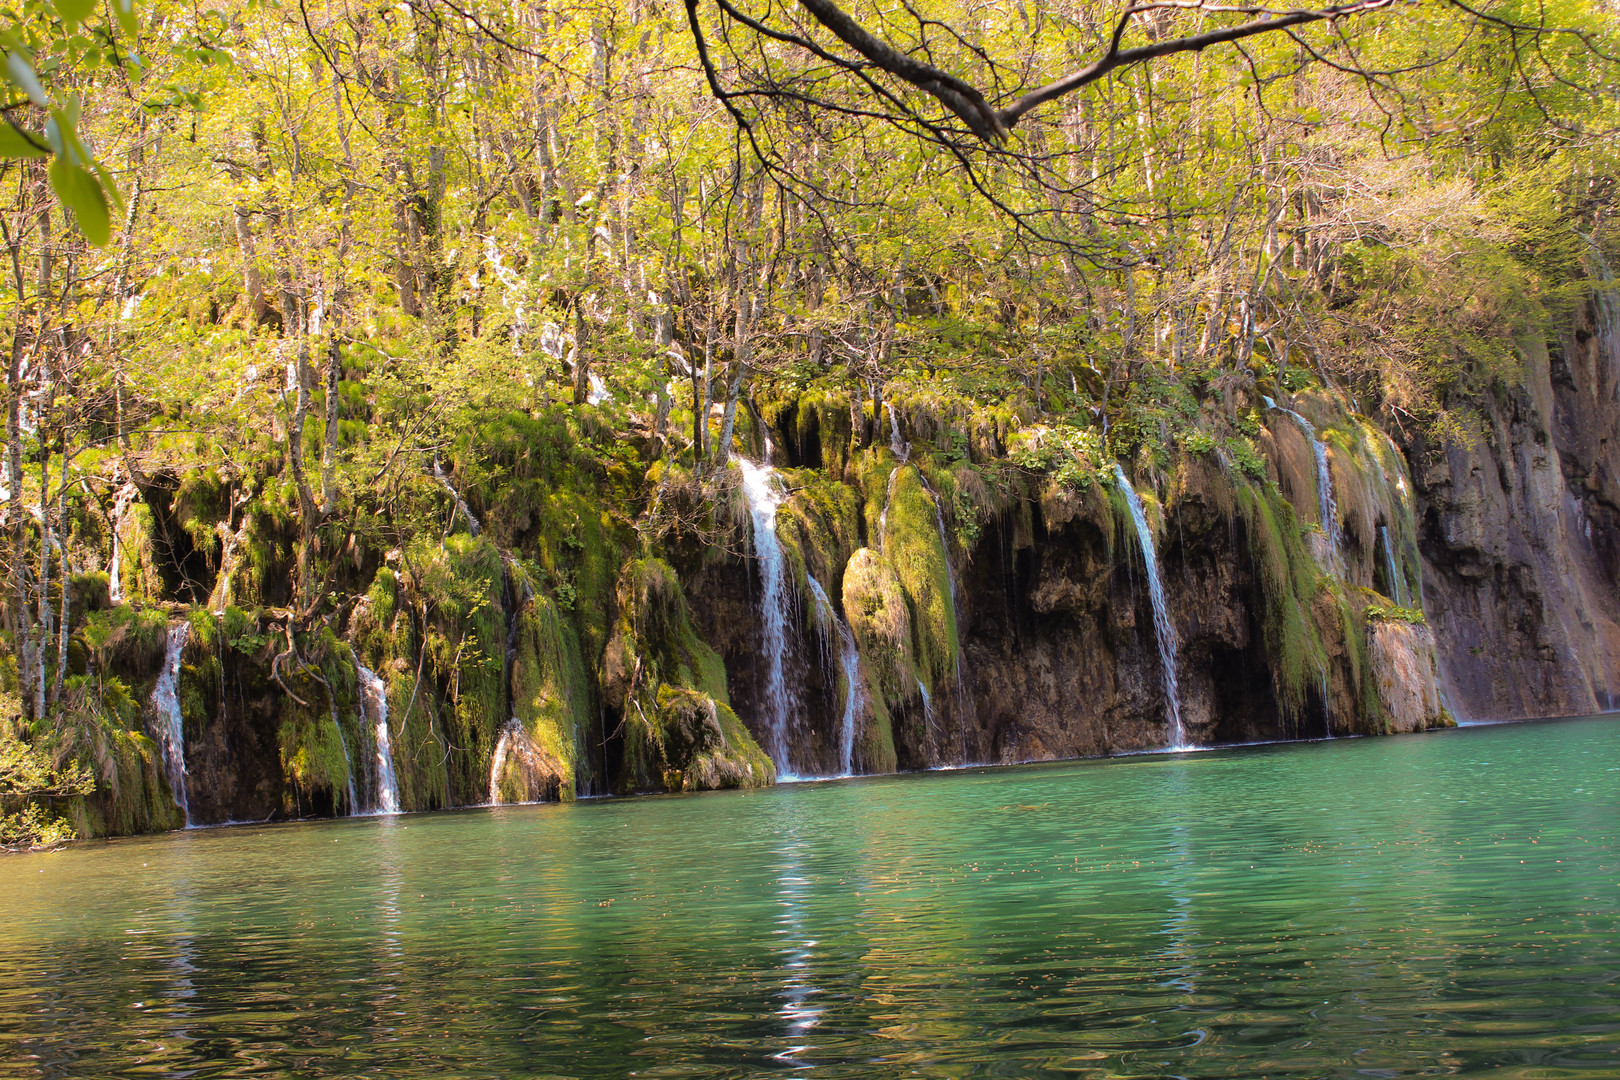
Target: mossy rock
(875,606)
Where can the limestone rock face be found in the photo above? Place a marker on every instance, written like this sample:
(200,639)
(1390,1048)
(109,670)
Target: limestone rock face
(1403,667)
(1520,536)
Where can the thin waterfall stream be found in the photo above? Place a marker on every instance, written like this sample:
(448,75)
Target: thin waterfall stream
(1326,507)
(1397,585)
(1164,629)
(348,762)
(764,497)
(374,702)
(516,747)
(963,700)
(170,727)
(849,660)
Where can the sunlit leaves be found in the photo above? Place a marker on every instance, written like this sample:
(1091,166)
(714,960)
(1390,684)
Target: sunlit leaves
(73,48)
(81,192)
(74,12)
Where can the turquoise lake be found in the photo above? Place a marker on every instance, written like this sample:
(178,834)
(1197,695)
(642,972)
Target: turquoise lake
(1436,905)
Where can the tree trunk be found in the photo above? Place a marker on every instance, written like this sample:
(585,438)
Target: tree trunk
(252,280)
(334,370)
(45,619)
(62,623)
(743,353)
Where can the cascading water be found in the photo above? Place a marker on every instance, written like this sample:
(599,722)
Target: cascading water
(497,761)
(1397,585)
(901,448)
(1165,630)
(374,698)
(964,702)
(775,606)
(170,730)
(888,497)
(115,584)
(1326,507)
(944,542)
(515,747)
(849,659)
(928,716)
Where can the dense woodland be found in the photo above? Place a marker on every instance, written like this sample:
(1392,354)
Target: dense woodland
(318,309)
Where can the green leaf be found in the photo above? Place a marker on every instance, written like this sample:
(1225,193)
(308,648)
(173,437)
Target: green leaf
(74,12)
(21,72)
(82,193)
(13,144)
(124,12)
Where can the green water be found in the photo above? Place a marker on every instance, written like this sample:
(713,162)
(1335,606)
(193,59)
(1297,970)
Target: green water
(1446,904)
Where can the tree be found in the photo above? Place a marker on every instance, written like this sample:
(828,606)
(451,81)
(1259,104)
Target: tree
(798,63)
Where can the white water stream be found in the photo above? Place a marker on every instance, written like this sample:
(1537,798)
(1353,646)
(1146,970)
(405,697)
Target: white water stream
(374,702)
(170,729)
(849,659)
(1327,508)
(1164,629)
(764,495)
(1396,584)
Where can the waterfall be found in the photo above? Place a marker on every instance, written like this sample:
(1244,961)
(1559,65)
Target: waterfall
(171,737)
(963,701)
(888,497)
(374,702)
(928,717)
(849,659)
(775,606)
(497,761)
(516,745)
(115,585)
(825,619)
(1326,508)
(1164,628)
(901,448)
(1396,584)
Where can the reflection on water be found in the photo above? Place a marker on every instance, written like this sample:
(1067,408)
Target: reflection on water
(798,1009)
(1434,905)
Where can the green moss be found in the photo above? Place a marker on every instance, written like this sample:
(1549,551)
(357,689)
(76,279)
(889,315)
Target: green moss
(655,669)
(124,639)
(137,555)
(551,695)
(875,605)
(319,731)
(202,501)
(696,743)
(911,545)
(98,729)
(1289,579)
(821,521)
(461,584)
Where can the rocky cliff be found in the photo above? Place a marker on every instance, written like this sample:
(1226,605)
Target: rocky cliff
(939,581)
(1520,534)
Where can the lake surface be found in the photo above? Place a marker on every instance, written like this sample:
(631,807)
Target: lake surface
(1444,904)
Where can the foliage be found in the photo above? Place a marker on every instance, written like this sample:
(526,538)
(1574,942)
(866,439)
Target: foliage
(1392,613)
